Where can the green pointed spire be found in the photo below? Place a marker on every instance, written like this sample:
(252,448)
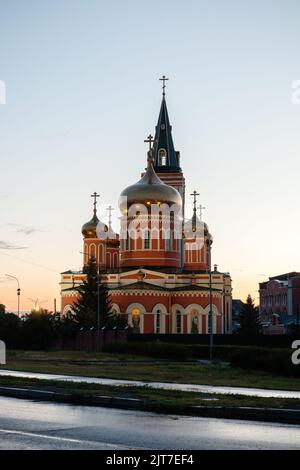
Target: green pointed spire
(165,158)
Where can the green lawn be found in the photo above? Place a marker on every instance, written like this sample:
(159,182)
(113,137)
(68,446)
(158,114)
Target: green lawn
(156,400)
(99,365)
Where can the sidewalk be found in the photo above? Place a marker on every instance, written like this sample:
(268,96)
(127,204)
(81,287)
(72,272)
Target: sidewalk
(158,385)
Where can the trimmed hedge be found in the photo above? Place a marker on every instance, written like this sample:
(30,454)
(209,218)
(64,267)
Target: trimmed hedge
(262,341)
(277,361)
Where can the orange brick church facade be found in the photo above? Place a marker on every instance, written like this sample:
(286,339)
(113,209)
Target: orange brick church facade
(158,278)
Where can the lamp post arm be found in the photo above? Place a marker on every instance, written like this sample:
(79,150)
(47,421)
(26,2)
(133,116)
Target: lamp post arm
(18,289)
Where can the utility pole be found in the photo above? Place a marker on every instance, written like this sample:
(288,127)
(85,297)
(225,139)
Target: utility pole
(98,315)
(210,319)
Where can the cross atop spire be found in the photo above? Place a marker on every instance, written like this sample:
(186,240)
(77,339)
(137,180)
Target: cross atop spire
(164,79)
(95,196)
(109,209)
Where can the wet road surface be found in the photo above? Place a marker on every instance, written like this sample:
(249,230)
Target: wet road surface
(27,424)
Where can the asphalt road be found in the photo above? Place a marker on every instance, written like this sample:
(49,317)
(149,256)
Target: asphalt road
(26,424)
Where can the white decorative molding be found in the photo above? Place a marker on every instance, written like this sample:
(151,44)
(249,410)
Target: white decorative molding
(67,309)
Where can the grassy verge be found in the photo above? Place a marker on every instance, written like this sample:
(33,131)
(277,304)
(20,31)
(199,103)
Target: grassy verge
(88,364)
(155,400)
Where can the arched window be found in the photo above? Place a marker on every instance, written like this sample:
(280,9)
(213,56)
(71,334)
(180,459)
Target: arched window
(167,244)
(157,322)
(162,157)
(127,240)
(194,322)
(147,240)
(178,322)
(92,250)
(168,240)
(136,319)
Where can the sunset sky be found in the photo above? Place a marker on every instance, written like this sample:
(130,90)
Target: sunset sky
(82,93)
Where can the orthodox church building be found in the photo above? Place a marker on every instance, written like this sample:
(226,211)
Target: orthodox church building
(158,268)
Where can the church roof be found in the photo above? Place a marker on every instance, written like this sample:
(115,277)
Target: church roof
(139,285)
(70,289)
(142,285)
(164,141)
(195,287)
(70,271)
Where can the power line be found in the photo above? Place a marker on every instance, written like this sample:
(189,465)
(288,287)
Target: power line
(30,262)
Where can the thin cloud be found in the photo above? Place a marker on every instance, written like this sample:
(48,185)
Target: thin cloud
(25,230)
(29,230)
(10,246)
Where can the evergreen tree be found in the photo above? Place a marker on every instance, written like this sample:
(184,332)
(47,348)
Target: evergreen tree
(10,329)
(38,330)
(249,319)
(86,307)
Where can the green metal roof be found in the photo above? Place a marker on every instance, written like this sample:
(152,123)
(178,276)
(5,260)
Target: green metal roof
(164,140)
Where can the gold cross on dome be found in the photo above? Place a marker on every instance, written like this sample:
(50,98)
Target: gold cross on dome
(95,196)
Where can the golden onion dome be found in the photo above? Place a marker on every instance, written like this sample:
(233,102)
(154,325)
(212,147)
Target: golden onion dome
(90,228)
(150,189)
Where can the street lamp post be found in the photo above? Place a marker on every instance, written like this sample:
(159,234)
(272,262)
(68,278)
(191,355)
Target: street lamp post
(98,315)
(18,289)
(211,332)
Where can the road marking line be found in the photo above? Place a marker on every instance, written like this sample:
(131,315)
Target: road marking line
(67,439)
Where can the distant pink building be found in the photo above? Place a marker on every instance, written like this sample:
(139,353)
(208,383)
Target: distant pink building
(279,305)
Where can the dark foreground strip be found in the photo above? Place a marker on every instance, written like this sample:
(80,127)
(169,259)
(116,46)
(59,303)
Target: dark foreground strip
(140,459)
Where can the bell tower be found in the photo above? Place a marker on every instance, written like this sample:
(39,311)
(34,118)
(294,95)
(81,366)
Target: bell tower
(166,160)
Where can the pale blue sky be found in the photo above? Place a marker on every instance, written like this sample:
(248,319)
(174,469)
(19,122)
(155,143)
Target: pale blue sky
(83,92)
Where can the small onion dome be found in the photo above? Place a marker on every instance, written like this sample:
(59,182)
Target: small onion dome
(195,227)
(149,190)
(89,230)
(112,237)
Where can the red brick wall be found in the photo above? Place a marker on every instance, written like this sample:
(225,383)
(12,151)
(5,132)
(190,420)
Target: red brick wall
(148,323)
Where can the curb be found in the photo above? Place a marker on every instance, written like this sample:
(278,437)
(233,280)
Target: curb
(279,415)
(113,402)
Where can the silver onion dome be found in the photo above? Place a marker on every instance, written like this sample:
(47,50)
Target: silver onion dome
(150,189)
